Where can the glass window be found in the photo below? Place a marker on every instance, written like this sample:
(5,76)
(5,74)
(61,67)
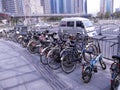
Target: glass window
(88,23)
(70,23)
(79,24)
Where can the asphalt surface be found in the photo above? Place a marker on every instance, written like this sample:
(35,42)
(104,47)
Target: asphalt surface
(20,70)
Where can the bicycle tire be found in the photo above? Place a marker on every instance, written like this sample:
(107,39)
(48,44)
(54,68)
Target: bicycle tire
(44,59)
(67,65)
(31,49)
(19,40)
(43,55)
(115,83)
(24,45)
(114,67)
(87,73)
(54,59)
(103,65)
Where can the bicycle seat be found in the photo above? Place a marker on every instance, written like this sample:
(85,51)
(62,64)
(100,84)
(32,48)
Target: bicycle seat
(116,57)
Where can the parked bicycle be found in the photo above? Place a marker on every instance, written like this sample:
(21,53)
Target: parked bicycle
(87,69)
(38,39)
(44,49)
(115,72)
(75,53)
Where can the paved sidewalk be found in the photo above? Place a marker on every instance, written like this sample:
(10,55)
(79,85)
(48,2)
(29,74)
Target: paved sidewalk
(19,70)
(16,73)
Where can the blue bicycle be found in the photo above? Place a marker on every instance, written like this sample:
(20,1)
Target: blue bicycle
(90,67)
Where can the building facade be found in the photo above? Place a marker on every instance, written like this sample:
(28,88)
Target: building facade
(63,6)
(109,6)
(56,6)
(102,6)
(13,7)
(106,6)
(78,6)
(47,6)
(0,5)
(84,6)
(32,7)
(36,7)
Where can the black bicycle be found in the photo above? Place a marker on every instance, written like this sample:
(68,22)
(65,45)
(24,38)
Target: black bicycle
(75,53)
(115,72)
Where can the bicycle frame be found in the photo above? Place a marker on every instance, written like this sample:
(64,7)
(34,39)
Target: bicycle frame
(95,60)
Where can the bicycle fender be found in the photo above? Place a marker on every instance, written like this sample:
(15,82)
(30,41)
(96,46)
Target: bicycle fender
(45,49)
(50,53)
(20,36)
(31,41)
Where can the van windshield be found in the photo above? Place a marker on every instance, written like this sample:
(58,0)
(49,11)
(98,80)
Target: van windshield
(87,23)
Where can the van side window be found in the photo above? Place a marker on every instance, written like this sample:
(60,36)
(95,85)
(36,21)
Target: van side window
(70,23)
(63,23)
(79,24)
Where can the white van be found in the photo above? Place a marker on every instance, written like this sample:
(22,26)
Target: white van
(74,25)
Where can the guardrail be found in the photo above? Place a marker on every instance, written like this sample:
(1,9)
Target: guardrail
(106,49)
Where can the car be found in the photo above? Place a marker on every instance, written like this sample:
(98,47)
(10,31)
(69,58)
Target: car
(20,29)
(75,25)
(43,25)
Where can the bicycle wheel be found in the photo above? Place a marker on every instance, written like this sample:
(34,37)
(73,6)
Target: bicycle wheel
(87,74)
(31,49)
(19,40)
(54,59)
(115,83)
(102,63)
(67,63)
(43,55)
(114,67)
(24,44)
(44,59)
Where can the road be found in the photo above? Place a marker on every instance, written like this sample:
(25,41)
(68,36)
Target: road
(19,70)
(109,29)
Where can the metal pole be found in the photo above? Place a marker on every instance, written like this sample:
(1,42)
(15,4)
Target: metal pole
(118,52)
(100,33)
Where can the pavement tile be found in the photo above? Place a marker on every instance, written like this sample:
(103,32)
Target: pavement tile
(38,85)
(6,74)
(22,87)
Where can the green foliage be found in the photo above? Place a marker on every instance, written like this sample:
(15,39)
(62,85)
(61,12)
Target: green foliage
(54,18)
(107,15)
(116,14)
(100,15)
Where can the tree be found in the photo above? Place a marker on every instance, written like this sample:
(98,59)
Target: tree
(100,15)
(116,14)
(107,15)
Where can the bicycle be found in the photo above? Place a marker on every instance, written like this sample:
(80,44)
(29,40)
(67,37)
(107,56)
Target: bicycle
(88,68)
(54,55)
(115,72)
(45,49)
(75,53)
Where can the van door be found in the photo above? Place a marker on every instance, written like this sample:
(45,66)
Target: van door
(80,27)
(70,27)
